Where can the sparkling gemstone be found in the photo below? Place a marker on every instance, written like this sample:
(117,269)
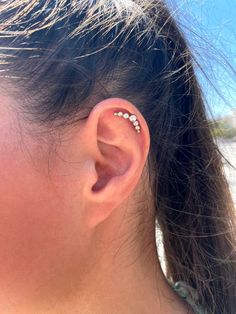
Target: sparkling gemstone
(126,115)
(120,114)
(137,127)
(115,113)
(133,118)
(135,123)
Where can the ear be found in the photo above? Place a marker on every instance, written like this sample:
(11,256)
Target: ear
(117,154)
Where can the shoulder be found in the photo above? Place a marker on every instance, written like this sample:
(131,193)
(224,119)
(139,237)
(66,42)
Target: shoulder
(190,295)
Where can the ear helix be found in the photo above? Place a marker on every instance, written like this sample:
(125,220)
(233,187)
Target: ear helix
(132,118)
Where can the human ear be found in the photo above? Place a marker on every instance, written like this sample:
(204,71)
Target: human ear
(117,155)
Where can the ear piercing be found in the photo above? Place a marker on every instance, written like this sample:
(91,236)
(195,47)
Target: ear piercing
(132,118)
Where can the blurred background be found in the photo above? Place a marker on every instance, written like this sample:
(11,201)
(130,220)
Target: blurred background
(210,28)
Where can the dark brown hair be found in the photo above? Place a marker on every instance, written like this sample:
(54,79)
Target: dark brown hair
(64,56)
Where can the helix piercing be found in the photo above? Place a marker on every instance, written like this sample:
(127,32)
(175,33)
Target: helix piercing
(132,118)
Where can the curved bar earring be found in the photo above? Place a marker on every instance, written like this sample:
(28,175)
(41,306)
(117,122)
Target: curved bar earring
(132,118)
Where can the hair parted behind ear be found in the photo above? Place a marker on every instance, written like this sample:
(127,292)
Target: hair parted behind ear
(64,56)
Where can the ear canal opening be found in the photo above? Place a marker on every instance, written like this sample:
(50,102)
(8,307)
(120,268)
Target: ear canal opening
(103,178)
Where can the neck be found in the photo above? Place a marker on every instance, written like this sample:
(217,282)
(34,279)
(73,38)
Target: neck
(118,274)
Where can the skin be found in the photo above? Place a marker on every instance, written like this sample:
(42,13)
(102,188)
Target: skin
(71,237)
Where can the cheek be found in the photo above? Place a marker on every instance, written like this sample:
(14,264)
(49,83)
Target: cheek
(35,219)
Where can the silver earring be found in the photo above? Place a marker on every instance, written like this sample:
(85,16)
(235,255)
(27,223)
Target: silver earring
(132,118)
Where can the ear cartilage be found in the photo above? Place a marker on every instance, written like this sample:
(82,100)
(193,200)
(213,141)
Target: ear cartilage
(132,118)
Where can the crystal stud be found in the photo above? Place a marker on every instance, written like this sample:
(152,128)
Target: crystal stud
(132,118)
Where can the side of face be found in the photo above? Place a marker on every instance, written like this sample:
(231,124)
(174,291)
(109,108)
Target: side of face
(54,193)
(37,192)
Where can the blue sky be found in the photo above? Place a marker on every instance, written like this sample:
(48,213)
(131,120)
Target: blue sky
(210,27)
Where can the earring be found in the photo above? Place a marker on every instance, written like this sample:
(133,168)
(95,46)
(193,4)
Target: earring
(132,118)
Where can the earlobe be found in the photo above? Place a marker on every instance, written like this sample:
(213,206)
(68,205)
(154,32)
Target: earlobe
(119,151)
